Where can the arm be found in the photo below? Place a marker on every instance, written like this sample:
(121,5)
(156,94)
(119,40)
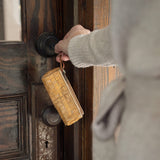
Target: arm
(86,49)
(91,49)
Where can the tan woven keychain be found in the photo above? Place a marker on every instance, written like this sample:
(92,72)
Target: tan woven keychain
(62,95)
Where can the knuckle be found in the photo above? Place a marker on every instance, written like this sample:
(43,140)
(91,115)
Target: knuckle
(88,31)
(78,26)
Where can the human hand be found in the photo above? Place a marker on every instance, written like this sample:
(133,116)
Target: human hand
(61,48)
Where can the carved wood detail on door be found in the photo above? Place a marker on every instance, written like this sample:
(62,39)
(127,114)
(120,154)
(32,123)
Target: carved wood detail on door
(14,141)
(13,126)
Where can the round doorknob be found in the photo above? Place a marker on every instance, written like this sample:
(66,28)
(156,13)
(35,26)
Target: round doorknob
(45,44)
(50,116)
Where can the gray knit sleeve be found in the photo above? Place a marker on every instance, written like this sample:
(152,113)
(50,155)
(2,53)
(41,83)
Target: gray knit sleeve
(92,49)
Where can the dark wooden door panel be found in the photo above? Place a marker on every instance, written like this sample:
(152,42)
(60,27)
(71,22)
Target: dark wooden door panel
(13,101)
(13,68)
(13,127)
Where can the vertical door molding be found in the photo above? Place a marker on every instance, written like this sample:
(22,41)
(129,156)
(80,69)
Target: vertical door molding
(93,14)
(86,78)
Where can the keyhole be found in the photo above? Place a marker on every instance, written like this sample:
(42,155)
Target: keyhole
(46,144)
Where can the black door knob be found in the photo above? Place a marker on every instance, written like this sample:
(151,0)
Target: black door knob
(45,44)
(50,116)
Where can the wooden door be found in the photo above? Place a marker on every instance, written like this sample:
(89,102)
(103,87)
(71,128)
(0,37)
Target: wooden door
(23,135)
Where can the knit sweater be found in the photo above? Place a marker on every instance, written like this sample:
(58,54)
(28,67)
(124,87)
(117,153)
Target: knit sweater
(133,42)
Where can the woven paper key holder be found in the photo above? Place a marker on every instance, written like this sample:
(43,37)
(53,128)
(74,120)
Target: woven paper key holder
(62,95)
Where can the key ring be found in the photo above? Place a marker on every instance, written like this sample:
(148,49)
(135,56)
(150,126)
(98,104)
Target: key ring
(62,65)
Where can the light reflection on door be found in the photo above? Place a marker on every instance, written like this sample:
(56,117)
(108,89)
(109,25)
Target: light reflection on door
(10,20)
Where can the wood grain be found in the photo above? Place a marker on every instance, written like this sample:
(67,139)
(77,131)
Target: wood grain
(21,69)
(8,125)
(13,68)
(86,18)
(14,133)
(13,127)
(73,134)
(41,132)
(42,16)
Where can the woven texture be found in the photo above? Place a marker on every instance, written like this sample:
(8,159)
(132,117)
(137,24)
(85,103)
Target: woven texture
(62,96)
